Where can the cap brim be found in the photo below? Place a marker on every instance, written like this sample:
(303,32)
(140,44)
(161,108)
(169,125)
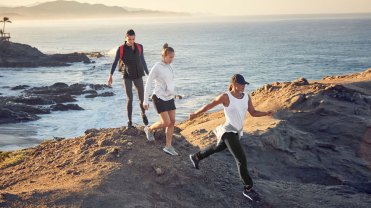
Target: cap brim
(246,83)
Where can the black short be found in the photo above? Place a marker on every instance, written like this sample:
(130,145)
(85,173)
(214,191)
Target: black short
(161,105)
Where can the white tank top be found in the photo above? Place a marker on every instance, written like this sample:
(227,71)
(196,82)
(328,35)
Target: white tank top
(236,111)
(235,115)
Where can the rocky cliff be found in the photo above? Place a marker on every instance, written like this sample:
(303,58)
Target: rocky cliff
(314,152)
(22,55)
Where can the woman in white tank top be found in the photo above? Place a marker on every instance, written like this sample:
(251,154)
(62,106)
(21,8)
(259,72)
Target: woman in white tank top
(236,104)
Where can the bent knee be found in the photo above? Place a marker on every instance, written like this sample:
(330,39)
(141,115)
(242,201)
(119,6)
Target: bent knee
(168,123)
(171,123)
(165,123)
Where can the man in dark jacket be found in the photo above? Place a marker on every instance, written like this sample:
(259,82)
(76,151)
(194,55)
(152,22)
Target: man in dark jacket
(134,66)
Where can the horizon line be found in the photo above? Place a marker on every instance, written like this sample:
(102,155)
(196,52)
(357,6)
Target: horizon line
(199,13)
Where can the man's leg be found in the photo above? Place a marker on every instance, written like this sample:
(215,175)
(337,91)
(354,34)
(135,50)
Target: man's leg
(129,98)
(138,83)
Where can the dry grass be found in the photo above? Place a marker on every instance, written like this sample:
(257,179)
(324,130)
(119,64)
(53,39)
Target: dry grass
(8,159)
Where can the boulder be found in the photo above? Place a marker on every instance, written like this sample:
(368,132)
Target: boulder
(62,107)
(22,55)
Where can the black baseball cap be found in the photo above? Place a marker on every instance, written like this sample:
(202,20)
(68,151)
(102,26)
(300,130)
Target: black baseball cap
(238,78)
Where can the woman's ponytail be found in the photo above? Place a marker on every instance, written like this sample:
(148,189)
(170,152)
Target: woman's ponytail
(166,49)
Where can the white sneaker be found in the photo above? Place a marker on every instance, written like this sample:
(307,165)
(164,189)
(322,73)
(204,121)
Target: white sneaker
(149,135)
(170,150)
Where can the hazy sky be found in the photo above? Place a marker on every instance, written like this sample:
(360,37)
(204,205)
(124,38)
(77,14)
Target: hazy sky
(232,7)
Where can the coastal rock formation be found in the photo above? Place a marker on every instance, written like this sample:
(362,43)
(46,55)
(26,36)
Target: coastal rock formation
(22,55)
(320,135)
(43,100)
(314,152)
(63,107)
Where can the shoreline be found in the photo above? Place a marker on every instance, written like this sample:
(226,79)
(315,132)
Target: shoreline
(336,79)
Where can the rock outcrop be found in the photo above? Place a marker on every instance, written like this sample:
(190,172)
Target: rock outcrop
(320,137)
(314,152)
(43,100)
(22,55)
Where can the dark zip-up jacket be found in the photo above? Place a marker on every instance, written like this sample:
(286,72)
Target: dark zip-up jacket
(134,64)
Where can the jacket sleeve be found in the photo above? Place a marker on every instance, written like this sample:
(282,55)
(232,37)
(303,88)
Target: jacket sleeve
(143,61)
(114,65)
(147,89)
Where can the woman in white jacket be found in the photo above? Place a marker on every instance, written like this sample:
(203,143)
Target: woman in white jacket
(163,97)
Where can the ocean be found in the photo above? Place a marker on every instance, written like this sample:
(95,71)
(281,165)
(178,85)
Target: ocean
(208,51)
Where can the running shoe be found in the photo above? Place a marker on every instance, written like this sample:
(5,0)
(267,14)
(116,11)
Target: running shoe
(194,161)
(251,195)
(149,135)
(170,150)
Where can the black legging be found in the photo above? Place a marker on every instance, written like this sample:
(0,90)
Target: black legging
(231,141)
(138,83)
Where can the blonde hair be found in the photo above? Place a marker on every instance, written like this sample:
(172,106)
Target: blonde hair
(233,80)
(166,49)
(230,87)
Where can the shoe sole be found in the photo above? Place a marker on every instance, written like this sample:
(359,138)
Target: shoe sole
(151,138)
(168,152)
(194,164)
(251,199)
(247,196)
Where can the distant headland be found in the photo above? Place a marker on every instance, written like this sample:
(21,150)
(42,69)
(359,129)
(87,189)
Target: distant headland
(61,9)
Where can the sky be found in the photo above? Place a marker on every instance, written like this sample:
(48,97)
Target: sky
(231,7)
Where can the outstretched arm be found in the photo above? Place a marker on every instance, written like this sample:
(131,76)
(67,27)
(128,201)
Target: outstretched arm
(221,99)
(256,113)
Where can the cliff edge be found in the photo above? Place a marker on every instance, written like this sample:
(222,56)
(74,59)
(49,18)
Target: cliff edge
(314,152)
